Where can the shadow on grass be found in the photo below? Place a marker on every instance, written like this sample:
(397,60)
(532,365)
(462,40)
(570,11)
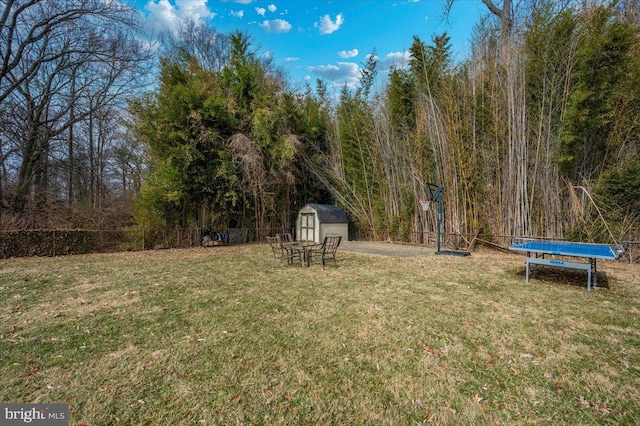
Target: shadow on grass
(562,276)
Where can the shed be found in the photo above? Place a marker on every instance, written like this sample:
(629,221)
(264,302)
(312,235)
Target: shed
(316,221)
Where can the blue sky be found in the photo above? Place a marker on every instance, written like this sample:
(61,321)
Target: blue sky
(325,39)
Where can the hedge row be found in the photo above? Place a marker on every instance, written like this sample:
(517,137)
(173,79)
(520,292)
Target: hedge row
(59,242)
(79,241)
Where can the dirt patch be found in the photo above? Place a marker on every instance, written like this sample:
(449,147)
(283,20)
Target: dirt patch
(386,249)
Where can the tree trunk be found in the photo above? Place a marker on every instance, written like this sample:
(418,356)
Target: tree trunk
(72,120)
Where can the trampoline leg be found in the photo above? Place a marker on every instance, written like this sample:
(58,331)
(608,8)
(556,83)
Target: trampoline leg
(528,270)
(589,282)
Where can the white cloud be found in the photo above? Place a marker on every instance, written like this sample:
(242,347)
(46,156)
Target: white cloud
(164,16)
(346,54)
(394,60)
(391,61)
(272,8)
(291,59)
(193,9)
(327,26)
(276,26)
(261,11)
(344,73)
(238,1)
(237,14)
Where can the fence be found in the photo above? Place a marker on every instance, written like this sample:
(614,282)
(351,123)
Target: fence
(58,242)
(55,242)
(258,235)
(464,241)
(178,238)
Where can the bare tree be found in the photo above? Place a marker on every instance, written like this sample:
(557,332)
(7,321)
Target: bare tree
(504,13)
(62,62)
(30,31)
(203,42)
(127,163)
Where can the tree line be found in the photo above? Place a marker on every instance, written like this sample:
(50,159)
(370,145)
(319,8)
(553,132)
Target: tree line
(535,134)
(67,68)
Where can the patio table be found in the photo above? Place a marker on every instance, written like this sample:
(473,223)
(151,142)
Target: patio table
(305,247)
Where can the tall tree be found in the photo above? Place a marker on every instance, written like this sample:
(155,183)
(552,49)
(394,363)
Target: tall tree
(222,144)
(185,127)
(605,78)
(31,30)
(201,41)
(550,40)
(53,54)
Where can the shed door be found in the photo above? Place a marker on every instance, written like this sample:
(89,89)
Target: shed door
(307,226)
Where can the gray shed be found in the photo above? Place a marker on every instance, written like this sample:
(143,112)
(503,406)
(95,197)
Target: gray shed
(316,221)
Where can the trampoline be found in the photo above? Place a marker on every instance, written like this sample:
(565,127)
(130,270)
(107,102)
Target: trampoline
(536,250)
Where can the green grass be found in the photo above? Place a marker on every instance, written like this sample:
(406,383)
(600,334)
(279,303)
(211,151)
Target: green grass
(228,335)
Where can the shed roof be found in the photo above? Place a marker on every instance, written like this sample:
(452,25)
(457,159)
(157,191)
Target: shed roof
(328,213)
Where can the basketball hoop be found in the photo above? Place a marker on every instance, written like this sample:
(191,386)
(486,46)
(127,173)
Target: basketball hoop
(434,193)
(424,203)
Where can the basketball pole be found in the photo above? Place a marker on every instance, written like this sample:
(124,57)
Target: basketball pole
(434,193)
(440,213)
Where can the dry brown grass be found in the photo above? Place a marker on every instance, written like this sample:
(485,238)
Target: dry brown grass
(229,335)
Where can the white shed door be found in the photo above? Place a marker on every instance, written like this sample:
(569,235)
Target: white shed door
(307,226)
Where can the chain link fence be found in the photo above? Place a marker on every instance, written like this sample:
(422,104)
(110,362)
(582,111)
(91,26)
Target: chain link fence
(60,242)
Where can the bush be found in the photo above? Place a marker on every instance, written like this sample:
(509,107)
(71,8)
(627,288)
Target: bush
(58,242)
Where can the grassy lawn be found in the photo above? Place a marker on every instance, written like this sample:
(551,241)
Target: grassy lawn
(228,335)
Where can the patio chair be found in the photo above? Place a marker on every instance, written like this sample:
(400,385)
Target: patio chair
(327,250)
(286,237)
(288,252)
(274,243)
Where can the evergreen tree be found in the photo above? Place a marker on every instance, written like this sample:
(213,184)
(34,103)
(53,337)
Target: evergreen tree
(605,90)
(185,127)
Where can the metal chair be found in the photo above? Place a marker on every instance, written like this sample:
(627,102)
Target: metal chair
(275,247)
(327,250)
(288,252)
